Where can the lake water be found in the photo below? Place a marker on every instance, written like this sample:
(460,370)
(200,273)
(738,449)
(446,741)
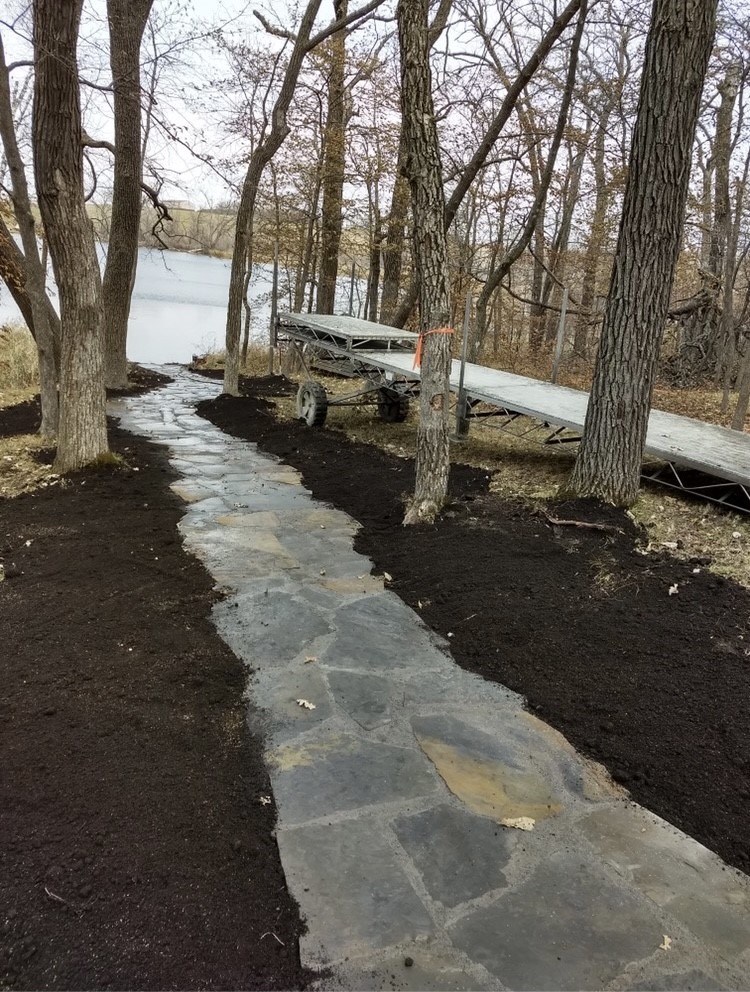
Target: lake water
(179,305)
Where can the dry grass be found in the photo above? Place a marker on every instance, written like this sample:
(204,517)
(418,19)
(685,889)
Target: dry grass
(19,379)
(20,472)
(256,363)
(522,469)
(702,404)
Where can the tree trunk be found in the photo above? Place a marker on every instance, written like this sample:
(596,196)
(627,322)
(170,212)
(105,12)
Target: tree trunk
(261,156)
(430,258)
(333,169)
(678,46)
(373,271)
(596,240)
(743,399)
(44,323)
(58,169)
(127,22)
(561,241)
(13,275)
(393,250)
(303,276)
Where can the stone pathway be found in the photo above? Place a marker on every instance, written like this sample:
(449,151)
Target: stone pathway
(390,790)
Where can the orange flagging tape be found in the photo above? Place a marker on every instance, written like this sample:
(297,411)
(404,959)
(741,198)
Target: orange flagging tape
(420,342)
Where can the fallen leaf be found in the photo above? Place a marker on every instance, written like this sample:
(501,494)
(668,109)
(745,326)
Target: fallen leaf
(672,545)
(310,659)
(736,534)
(306,704)
(673,590)
(264,800)
(666,944)
(518,822)
(387,577)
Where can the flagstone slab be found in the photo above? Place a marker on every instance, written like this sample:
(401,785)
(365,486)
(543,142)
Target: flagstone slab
(460,856)
(313,778)
(677,873)
(366,698)
(567,927)
(486,773)
(269,629)
(351,889)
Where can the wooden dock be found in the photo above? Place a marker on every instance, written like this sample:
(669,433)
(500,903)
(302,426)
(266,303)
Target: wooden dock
(704,459)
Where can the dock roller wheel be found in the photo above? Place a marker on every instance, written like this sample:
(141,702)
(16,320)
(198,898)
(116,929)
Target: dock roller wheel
(393,405)
(312,404)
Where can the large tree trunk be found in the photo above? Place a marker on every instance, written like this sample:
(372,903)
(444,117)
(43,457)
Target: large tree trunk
(677,50)
(333,169)
(430,258)
(127,22)
(58,169)
(261,156)
(44,322)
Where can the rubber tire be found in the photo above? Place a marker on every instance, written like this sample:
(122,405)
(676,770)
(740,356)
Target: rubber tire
(393,406)
(312,404)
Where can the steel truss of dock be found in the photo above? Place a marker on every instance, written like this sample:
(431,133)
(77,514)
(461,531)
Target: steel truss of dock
(682,453)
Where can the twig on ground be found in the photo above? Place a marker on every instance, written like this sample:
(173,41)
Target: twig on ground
(607,528)
(55,897)
(272,934)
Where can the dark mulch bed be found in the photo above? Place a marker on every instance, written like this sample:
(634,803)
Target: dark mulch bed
(134,850)
(24,418)
(656,687)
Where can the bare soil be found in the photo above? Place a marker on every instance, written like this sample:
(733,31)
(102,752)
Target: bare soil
(135,851)
(641,660)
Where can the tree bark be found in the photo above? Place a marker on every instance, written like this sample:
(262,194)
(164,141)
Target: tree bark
(393,250)
(334,162)
(596,240)
(58,169)
(44,325)
(743,397)
(127,22)
(431,260)
(261,156)
(14,276)
(678,47)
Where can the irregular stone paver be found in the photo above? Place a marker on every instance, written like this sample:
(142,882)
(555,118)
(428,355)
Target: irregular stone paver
(567,927)
(668,867)
(355,895)
(270,629)
(429,969)
(366,698)
(389,790)
(459,855)
(690,981)
(482,772)
(342,772)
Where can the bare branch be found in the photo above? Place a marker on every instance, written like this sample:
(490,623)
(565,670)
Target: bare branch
(356,16)
(272,29)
